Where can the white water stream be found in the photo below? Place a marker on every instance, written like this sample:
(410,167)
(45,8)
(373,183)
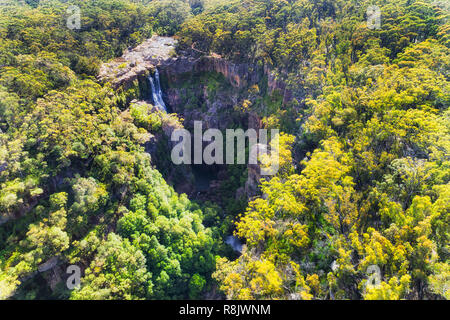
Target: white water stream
(156,91)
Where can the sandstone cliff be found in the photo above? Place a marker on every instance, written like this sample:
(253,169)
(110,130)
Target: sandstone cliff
(198,88)
(160,52)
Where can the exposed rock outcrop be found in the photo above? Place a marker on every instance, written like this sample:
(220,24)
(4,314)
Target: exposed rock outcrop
(192,89)
(49,264)
(137,62)
(160,52)
(238,75)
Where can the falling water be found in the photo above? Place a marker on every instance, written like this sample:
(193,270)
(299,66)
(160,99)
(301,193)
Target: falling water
(156,91)
(234,243)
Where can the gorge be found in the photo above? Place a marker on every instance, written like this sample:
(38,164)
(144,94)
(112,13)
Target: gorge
(360,119)
(205,88)
(182,83)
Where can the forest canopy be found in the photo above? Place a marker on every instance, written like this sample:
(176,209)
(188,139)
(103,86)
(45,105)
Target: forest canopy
(364,175)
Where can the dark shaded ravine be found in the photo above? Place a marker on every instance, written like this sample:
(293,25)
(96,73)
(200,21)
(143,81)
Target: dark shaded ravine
(197,88)
(204,175)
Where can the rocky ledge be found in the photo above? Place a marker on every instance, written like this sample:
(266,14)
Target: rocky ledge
(160,52)
(214,107)
(138,61)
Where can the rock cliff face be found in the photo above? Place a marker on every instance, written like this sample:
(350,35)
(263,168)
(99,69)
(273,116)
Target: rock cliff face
(205,88)
(238,75)
(159,52)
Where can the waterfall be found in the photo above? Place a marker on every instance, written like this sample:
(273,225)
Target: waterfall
(156,91)
(234,243)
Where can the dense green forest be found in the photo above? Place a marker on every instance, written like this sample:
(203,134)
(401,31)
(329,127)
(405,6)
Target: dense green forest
(364,175)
